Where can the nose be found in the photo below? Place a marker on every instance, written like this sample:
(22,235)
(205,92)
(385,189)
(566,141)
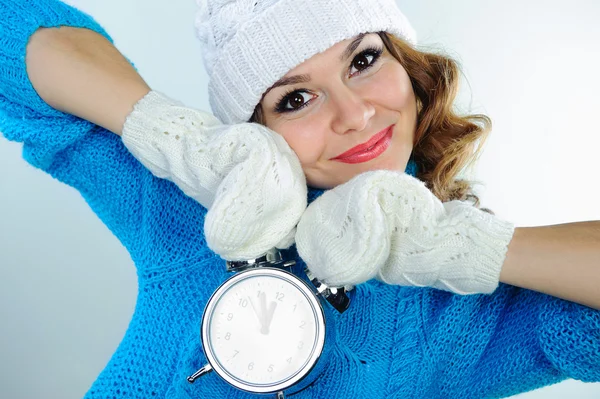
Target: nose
(352,111)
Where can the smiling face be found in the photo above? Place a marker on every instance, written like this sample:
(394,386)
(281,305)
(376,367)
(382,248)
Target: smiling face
(345,111)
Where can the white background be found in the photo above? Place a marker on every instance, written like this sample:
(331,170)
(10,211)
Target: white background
(67,287)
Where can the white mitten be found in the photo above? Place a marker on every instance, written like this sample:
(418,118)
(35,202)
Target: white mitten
(388,225)
(245,174)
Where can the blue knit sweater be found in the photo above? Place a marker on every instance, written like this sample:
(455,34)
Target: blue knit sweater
(394,342)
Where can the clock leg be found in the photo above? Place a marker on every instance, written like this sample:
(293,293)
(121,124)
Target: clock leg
(204,370)
(280,395)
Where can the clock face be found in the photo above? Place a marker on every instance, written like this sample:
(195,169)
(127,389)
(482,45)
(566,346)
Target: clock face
(263,330)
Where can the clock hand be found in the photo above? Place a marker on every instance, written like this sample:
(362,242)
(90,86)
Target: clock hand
(269,317)
(260,316)
(263,302)
(266,314)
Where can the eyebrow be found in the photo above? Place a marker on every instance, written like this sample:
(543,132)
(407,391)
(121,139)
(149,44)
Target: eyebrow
(305,78)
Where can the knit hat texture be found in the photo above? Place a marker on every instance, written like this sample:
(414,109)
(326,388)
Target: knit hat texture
(250,44)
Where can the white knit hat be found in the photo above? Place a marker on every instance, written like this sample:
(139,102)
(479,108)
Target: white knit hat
(250,44)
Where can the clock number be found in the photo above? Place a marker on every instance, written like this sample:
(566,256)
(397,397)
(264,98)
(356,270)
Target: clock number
(300,344)
(243,303)
(235,354)
(295,307)
(227,336)
(289,360)
(229,316)
(258,293)
(251,366)
(279,296)
(302,324)
(270,369)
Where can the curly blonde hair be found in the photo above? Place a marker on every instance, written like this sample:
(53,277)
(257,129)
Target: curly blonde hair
(444,142)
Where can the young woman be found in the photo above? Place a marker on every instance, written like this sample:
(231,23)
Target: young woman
(394,340)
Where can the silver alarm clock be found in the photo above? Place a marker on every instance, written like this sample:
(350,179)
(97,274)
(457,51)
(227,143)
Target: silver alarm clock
(264,329)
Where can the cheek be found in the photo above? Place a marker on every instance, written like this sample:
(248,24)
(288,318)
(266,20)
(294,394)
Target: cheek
(392,87)
(305,136)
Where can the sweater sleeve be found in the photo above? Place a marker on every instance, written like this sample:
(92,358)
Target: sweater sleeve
(26,118)
(76,152)
(569,336)
(510,342)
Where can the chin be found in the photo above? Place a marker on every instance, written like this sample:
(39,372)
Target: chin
(326,184)
(393,165)
(338,177)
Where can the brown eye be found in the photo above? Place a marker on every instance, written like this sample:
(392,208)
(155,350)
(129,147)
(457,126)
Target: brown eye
(365,60)
(362,61)
(296,100)
(293,101)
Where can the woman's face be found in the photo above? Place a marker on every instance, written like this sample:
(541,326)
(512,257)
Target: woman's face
(345,111)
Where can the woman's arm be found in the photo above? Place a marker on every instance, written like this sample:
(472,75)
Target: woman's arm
(66,64)
(76,152)
(560,260)
(81,73)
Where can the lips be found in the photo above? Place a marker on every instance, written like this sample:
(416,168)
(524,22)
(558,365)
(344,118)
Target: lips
(367,146)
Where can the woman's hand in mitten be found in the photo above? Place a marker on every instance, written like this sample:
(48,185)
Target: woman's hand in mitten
(388,225)
(246,175)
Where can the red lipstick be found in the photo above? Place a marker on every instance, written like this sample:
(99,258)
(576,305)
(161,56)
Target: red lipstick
(369,150)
